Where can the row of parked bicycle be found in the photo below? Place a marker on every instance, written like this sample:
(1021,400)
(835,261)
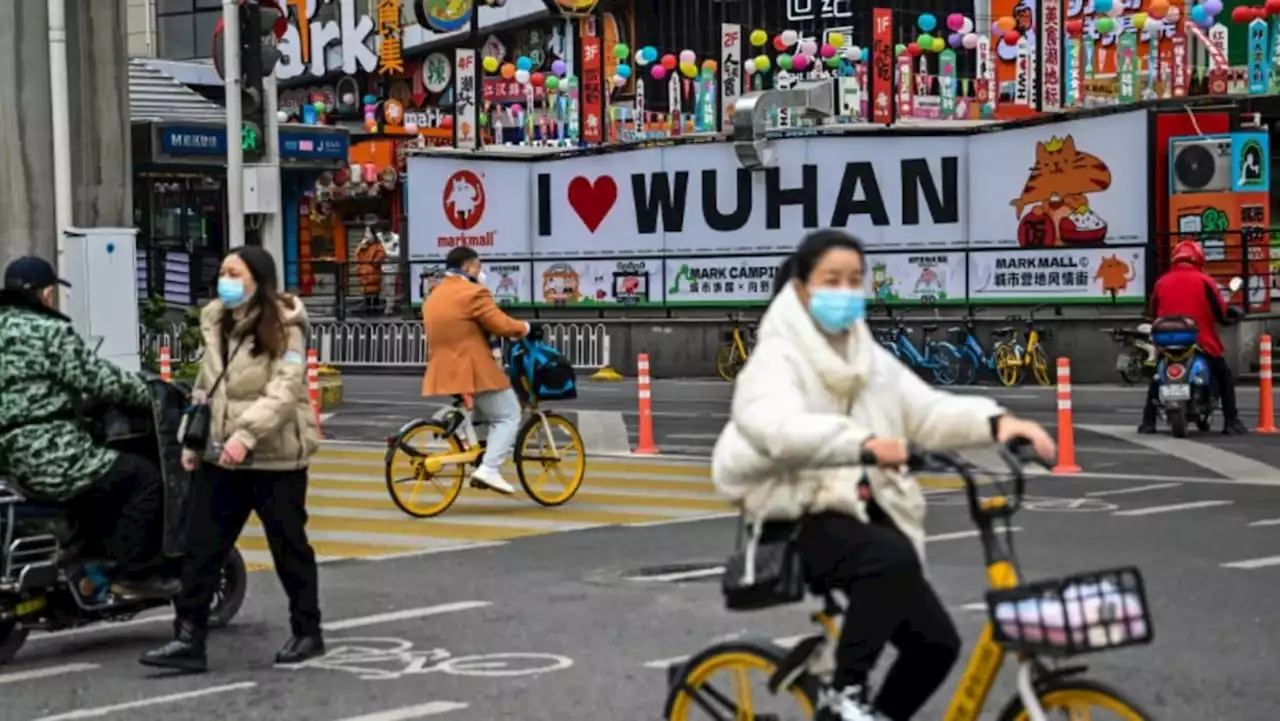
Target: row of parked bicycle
(958,358)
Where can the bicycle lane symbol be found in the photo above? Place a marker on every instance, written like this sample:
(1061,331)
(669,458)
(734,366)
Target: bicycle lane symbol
(388,659)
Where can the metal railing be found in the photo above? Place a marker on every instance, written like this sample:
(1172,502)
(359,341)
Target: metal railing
(400,344)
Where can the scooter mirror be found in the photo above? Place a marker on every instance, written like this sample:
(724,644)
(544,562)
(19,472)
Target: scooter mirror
(1235,284)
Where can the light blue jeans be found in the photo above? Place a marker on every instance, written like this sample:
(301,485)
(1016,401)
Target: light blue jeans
(502,410)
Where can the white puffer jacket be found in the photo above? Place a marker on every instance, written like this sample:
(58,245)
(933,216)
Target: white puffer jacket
(801,414)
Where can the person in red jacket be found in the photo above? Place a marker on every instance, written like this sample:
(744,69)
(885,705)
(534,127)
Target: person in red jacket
(1188,290)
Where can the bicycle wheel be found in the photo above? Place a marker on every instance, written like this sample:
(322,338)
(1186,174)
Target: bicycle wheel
(967,367)
(738,665)
(1079,698)
(560,459)
(729,362)
(1008,365)
(1040,366)
(946,364)
(407,473)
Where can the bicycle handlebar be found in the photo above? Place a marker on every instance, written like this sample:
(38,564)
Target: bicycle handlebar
(1016,454)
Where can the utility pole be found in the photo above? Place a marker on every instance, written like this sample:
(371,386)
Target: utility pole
(230,67)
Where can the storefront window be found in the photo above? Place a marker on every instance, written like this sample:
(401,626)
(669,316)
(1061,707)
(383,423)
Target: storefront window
(185,27)
(181,219)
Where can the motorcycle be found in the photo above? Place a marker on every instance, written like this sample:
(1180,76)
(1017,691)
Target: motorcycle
(1187,392)
(50,579)
(1138,357)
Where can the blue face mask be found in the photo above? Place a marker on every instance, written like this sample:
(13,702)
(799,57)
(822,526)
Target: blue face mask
(231,292)
(835,310)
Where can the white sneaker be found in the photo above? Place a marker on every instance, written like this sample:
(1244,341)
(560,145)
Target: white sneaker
(844,704)
(491,479)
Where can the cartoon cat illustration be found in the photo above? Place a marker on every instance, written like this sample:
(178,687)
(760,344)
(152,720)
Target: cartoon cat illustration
(1115,275)
(1053,208)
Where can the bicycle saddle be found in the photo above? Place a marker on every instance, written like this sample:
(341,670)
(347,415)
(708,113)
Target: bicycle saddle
(928,328)
(955,329)
(1002,331)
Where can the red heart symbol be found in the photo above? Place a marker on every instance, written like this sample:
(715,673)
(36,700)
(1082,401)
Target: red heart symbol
(592,201)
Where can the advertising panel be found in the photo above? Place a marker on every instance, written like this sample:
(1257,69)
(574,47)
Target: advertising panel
(928,278)
(721,281)
(509,282)
(891,192)
(597,283)
(456,201)
(1086,275)
(1077,183)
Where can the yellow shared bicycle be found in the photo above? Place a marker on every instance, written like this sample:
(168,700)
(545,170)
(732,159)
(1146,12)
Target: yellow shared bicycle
(737,348)
(1012,358)
(428,459)
(1039,623)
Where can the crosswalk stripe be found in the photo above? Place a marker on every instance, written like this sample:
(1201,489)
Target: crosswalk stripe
(251,541)
(440,527)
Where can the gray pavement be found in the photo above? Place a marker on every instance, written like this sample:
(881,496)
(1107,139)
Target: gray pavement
(498,609)
(562,635)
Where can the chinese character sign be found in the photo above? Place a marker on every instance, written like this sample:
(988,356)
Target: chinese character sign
(882,57)
(592,89)
(730,71)
(390,58)
(802,10)
(1051,31)
(465,133)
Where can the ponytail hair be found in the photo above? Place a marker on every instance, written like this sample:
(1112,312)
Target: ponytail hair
(800,264)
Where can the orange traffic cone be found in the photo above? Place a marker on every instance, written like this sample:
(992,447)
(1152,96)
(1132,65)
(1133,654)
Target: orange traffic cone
(313,386)
(1266,406)
(1066,435)
(645,444)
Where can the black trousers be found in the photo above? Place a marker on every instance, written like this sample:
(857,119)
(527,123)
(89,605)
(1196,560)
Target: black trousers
(122,515)
(222,501)
(1222,378)
(889,602)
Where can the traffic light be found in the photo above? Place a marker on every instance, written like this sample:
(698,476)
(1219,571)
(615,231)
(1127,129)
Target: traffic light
(261,24)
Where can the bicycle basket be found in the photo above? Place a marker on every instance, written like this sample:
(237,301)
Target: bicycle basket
(1073,615)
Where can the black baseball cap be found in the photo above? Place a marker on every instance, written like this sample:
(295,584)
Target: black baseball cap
(31,273)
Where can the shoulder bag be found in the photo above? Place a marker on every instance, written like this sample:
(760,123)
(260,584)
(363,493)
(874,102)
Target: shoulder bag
(762,572)
(197,419)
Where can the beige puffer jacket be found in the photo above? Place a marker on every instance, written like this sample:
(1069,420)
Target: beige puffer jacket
(262,402)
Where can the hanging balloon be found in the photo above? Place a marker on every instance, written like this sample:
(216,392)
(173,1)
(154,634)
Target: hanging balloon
(624,70)
(553,84)
(836,39)
(853,53)
(669,62)
(1103,25)
(1101,7)
(508,71)
(939,45)
(913,49)
(1006,23)
(571,82)
(899,49)
(1139,20)
(658,72)
(1154,27)
(524,63)
(968,26)
(490,64)
(832,62)
(809,48)
(688,57)
(558,67)
(970,41)
(779,44)
(827,50)
(1013,36)
(1242,14)
(537,80)
(689,70)
(800,63)
(1075,28)
(925,41)
(789,37)
(955,21)
(522,77)
(759,38)
(1213,7)
(955,40)
(927,22)
(1172,16)
(621,51)
(619,81)
(710,66)
(749,67)
(785,62)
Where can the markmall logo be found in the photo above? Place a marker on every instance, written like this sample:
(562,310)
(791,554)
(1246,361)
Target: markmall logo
(464,205)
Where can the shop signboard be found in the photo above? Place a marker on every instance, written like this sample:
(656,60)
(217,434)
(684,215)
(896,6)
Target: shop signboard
(301,144)
(314,48)
(193,140)
(1061,275)
(1012,211)
(597,283)
(1080,182)
(465,202)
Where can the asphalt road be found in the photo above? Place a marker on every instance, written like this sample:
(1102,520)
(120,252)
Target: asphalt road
(589,644)
(500,609)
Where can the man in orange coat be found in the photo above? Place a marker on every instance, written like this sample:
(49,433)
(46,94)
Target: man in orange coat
(458,317)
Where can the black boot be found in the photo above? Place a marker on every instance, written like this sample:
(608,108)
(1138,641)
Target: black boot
(301,648)
(1234,427)
(1148,425)
(186,652)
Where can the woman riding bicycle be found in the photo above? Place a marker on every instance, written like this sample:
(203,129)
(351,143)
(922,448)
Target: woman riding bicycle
(816,393)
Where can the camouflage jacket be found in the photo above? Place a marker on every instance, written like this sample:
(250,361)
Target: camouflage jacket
(46,371)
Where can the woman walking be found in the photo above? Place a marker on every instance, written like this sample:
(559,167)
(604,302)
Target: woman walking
(817,392)
(262,436)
